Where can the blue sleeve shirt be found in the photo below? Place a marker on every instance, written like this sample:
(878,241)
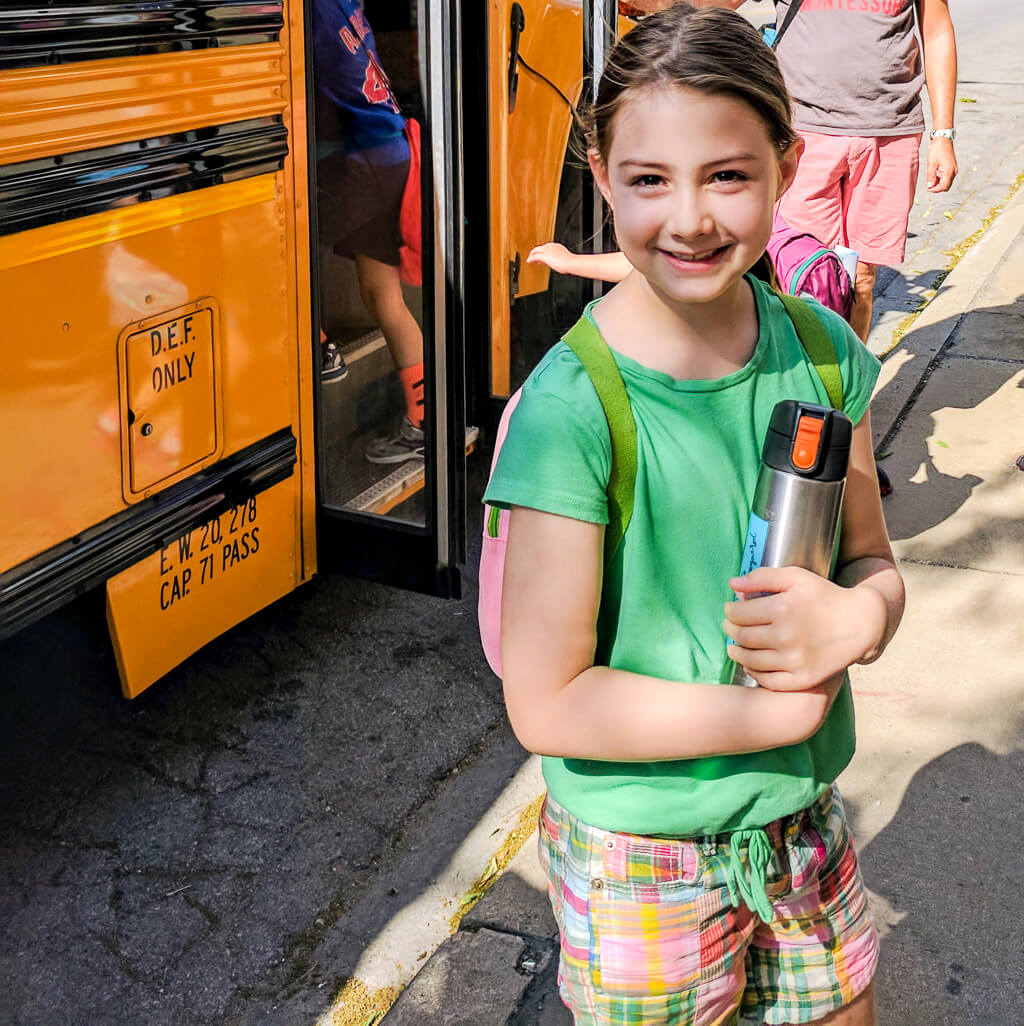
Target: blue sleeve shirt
(348,73)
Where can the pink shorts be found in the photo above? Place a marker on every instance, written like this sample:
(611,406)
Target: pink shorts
(856,192)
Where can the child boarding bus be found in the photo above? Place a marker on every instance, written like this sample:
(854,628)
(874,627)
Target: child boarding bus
(262,267)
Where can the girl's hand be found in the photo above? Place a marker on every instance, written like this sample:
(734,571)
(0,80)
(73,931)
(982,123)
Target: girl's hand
(555,255)
(805,632)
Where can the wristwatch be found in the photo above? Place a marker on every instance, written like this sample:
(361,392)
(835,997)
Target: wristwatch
(943,133)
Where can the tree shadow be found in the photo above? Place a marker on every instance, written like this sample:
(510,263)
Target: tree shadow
(949,866)
(947,420)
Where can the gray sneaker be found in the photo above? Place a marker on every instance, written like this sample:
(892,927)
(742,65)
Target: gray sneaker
(404,443)
(332,363)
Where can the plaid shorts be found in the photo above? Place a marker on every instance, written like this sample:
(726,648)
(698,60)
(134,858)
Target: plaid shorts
(653,932)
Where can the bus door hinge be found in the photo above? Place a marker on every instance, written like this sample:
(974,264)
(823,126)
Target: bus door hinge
(518,23)
(513,277)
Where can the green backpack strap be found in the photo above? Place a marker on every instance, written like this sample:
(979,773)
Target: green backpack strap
(586,342)
(818,346)
(592,351)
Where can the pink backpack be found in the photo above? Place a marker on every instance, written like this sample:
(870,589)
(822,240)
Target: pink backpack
(492,556)
(805,266)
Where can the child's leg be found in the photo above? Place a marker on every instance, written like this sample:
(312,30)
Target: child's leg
(863,299)
(814,962)
(860,1011)
(381,289)
(649,935)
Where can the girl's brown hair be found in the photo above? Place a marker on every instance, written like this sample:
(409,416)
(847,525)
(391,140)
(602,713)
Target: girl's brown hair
(711,50)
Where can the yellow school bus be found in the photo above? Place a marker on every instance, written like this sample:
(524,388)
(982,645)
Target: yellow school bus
(170,427)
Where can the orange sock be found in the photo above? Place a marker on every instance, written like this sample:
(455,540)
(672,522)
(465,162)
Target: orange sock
(412,385)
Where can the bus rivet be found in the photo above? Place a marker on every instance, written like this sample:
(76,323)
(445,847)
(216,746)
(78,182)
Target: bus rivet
(65,326)
(146,429)
(149,299)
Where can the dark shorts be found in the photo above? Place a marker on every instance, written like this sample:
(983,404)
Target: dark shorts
(359,206)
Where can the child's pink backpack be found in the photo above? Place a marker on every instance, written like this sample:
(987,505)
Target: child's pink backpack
(586,342)
(806,266)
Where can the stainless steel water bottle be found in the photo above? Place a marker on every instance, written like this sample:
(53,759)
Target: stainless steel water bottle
(794,519)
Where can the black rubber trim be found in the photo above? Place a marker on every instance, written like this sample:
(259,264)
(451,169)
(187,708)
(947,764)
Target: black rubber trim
(47,581)
(40,33)
(34,193)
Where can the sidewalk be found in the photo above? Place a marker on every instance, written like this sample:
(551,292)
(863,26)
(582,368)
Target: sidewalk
(940,755)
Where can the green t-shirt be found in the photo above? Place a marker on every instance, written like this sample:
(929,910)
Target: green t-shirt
(699,448)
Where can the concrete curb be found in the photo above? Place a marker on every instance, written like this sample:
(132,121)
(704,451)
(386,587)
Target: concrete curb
(390,957)
(907,367)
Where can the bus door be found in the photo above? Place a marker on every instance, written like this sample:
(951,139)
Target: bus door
(386,141)
(543,55)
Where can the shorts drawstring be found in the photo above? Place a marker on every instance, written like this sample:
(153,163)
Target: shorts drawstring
(748,882)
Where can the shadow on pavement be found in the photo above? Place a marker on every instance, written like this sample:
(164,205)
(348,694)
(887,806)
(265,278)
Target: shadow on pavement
(949,865)
(934,443)
(183,857)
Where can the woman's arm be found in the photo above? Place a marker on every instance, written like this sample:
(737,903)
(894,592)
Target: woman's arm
(611,267)
(939,45)
(809,630)
(560,704)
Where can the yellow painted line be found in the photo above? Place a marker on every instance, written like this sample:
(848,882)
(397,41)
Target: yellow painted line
(956,254)
(525,826)
(56,110)
(359,1005)
(391,960)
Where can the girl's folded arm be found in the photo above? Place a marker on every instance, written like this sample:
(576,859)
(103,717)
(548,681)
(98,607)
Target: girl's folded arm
(560,704)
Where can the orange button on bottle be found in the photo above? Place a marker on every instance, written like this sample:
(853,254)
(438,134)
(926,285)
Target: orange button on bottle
(805,445)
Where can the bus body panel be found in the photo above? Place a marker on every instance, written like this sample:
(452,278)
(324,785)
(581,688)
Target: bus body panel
(63,394)
(176,600)
(156,334)
(72,107)
(529,148)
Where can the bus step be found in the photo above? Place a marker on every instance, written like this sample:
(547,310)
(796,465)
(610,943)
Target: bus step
(404,481)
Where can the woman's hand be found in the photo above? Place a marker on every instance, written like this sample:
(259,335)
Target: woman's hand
(805,631)
(942,167)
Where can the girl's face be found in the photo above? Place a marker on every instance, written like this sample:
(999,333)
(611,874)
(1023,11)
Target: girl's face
(692,180)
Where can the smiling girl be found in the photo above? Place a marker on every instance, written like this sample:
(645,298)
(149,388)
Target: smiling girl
(698,855)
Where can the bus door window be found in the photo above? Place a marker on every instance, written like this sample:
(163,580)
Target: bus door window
(372,346)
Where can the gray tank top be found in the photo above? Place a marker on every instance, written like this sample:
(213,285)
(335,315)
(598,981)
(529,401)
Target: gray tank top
(853,67)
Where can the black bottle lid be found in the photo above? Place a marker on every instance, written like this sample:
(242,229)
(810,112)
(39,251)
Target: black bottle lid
(808,440)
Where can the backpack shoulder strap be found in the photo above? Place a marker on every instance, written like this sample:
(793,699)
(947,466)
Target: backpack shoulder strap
(586,342)
(786,22)
(818,346)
